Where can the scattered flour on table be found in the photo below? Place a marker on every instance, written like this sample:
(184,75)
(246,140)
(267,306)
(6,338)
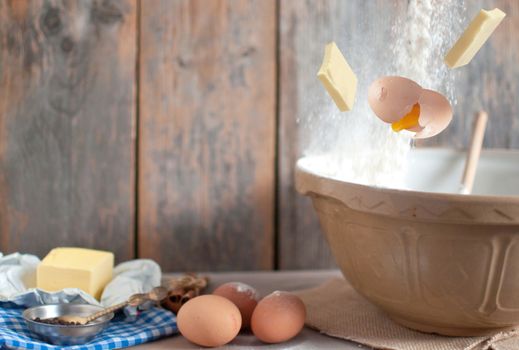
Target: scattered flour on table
(356,146)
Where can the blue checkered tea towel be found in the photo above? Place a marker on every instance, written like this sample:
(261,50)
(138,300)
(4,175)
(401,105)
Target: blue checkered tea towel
(148,326)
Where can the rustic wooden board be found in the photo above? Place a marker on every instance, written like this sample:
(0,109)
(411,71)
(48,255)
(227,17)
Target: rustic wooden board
(207,134)
(207,122)
(489,82)
(67,82)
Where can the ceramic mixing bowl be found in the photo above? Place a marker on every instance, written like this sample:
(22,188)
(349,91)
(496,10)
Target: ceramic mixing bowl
(432,259)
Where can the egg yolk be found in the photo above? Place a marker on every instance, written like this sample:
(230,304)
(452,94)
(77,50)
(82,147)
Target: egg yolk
(409,120)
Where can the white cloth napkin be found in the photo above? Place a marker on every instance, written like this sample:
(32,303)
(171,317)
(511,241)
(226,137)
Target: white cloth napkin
(18,282)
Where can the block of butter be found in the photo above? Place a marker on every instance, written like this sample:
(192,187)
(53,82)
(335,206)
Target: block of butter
(86,269)
(476,34)
(338,77)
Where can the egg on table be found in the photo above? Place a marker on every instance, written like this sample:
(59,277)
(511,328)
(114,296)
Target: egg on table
(278,317)
(404,104)
(209,320)
(243,296)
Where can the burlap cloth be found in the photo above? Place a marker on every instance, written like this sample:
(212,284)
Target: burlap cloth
(335,309)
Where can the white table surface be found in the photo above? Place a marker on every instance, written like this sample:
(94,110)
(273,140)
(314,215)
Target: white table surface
(265,283)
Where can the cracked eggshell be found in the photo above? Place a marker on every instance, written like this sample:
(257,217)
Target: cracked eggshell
(435,114)
(392,97)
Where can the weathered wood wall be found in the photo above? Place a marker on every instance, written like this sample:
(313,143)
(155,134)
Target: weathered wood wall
(207,133)
(67,117)
(168,128)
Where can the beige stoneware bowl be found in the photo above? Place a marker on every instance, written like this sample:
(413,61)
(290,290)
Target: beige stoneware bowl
(432,259)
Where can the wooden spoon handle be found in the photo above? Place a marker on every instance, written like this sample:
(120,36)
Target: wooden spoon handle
(471,163)
(106,311)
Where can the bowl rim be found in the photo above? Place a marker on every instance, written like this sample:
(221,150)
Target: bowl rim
(93,324)
(309,182)
(440,195)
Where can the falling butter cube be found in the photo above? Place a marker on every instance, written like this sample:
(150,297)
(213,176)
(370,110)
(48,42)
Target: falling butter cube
(476,34)
(86,269)
(338,78)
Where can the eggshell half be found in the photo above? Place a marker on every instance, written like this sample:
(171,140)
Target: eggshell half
(243,296)
(435,114)
(209,320)
(278,317)
(391,98)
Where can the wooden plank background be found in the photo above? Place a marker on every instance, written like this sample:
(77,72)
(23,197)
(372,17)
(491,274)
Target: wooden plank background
(67,116)
(207,134)
(169,129)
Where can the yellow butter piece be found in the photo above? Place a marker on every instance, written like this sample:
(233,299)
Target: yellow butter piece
(338,77)
(476,34)
(86,269)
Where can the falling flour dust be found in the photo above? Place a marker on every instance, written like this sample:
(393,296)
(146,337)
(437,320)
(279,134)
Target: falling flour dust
(356,146)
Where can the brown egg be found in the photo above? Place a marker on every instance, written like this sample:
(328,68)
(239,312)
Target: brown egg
(435,114)
(391,98)
(278,317)
(405,105)
(209,320)
(243,296)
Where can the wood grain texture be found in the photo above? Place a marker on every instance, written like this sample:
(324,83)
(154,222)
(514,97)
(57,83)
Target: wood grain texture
(489,82)
(207,105)
(305,27)
(67,105)
(207,134)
